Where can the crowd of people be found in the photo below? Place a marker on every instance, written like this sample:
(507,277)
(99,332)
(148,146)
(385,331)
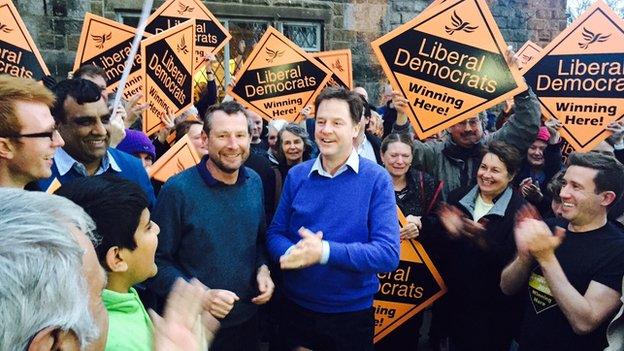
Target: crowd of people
(279,232)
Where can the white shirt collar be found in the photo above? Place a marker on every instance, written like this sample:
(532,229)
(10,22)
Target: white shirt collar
(64,162)
(353,162)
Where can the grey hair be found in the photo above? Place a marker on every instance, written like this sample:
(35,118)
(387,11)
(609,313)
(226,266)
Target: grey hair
(60,208)
(41,280)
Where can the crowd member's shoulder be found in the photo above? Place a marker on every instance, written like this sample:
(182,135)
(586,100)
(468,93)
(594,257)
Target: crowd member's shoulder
(302,169)
(456,195)
(371,168)
(125,159)
(553,222)
(252,174)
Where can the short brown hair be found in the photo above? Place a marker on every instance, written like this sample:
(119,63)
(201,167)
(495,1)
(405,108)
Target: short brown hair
(14,89)
(509,155)
(353,100)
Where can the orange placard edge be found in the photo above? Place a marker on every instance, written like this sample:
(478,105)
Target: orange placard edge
(162,36)
(598,5)
(208,14)
(26,34)
(172,153)
(439,7)
(346,52)
(82,43)
(272,31)
(420,251)
(54,186)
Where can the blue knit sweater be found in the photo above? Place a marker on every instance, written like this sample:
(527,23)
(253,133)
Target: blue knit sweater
(357,214)
(212,232)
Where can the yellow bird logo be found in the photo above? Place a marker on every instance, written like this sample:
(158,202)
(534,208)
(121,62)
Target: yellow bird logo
(591,38)
(184,8)
(338,65)
(101,39)
(5,28)
(459,25)
(273,54)
(182,46)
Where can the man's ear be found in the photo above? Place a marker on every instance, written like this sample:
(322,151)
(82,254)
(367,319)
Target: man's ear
(115,261)
(54,339)
(7,149)
(608,198)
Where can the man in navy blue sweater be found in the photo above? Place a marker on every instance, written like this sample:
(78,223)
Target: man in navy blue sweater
(212,226)
(336,226)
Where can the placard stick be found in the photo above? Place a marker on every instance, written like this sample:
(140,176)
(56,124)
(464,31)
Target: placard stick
(147,7)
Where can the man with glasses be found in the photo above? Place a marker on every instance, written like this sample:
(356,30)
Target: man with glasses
(84,122)
(28,135)
(461,151)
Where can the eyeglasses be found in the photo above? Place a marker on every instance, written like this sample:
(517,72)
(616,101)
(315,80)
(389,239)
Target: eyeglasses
(49,135)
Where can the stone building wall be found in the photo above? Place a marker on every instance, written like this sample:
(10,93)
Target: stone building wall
(55,24)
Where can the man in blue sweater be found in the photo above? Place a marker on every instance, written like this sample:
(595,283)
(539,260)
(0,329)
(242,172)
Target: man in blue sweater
(212,226)
(336,226)
(84,123)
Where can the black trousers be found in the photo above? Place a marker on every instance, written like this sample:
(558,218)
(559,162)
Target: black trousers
(351,331)
(242,337)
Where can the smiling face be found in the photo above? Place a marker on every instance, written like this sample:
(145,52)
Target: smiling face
(579,202)
(292,146)
(535,154)
(141,264)
(32,157)
(228,141)
(492,176)
(85,130)
(467,133)
(397,159)
(335,130)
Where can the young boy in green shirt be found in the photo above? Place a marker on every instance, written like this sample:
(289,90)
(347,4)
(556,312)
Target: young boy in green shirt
(129,240)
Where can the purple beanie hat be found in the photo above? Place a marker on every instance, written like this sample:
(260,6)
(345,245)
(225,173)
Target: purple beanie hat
(135,142)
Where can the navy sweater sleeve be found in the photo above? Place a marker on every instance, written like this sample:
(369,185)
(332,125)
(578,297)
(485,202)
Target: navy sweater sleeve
(167,214)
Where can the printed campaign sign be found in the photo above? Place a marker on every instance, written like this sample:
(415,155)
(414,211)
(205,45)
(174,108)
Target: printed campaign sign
(19,56)
(210,35)
(408,290)
(340,64)
(449,63)
(527,52)
(167,74)
(279,79)
(180,156)
(107,44)
(579,76)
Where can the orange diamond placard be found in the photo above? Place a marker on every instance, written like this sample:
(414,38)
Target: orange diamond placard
(412,287)
(167,74)
(107,44)
(19,56)
(210,35)
(579,77)
(528,52)
(181,156)
(340,64)
(279,79)
(449,63)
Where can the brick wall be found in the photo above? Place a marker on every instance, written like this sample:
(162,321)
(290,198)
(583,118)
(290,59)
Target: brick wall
(55,24)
